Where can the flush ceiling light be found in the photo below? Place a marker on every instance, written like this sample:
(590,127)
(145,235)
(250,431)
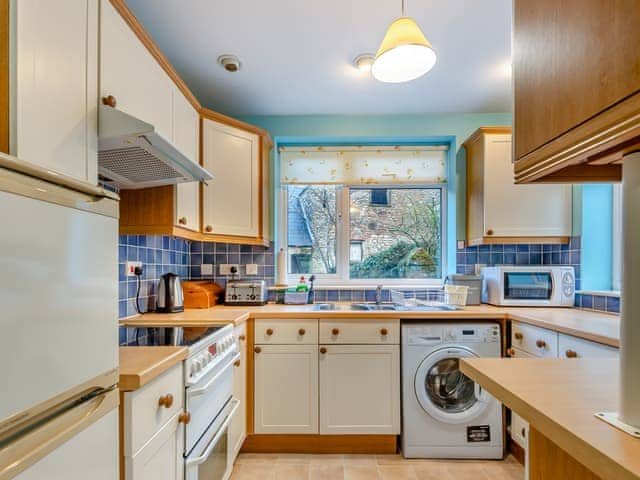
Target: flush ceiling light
(230,63)
(364,62)
(404,54)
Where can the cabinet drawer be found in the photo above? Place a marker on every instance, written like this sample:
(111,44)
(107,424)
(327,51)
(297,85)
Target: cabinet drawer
(519,430)
(282,331)
(534,340)
(144,415)
(573,347)
(360,331)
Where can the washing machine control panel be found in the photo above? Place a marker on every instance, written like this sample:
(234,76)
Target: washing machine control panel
(432,335)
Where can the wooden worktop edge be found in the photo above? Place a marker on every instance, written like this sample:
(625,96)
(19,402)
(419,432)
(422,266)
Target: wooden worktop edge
(594,459)
(152,366)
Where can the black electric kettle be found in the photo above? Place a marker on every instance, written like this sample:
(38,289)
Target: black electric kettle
(170,298)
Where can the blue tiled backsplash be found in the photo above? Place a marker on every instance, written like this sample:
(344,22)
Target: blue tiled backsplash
(161,254)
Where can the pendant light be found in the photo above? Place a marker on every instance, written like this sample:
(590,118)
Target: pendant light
(404,54)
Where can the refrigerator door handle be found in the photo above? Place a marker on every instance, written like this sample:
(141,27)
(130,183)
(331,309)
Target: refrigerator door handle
(25,438)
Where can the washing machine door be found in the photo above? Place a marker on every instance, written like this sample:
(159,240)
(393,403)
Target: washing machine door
(444,392)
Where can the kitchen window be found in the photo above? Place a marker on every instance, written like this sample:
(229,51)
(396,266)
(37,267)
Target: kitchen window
(616,259)
(351,216)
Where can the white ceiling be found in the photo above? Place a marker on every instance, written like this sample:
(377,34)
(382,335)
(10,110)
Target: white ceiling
(296,54)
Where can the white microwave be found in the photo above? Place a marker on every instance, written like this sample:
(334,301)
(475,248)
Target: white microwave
(529,286)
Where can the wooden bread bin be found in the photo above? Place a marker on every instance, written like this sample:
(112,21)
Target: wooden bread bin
(201,293)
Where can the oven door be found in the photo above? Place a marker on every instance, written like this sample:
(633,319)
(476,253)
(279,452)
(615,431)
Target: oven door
(206,398)
(209,459)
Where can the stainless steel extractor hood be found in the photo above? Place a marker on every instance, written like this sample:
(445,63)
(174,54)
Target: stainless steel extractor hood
(131,154)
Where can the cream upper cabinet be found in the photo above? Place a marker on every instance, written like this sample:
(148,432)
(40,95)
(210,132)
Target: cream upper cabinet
(231,201)
(286,389)
(359,389)
(186,136)
(238,426)
(54,85)
(132,75)
(498,210)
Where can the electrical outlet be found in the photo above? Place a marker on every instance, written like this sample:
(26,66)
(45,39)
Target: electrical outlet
(251,268)
(225,268)
(206,269)
(131,267)
(460,244)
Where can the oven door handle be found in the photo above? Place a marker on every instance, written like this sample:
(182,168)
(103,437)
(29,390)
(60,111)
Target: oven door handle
(212,444)
(195,392)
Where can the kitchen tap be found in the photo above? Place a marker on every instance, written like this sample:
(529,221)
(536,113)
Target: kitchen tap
(378,294)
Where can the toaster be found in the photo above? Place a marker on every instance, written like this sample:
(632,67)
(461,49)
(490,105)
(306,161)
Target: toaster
(246,293)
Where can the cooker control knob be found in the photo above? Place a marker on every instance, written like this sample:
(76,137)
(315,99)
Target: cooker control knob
(252,296)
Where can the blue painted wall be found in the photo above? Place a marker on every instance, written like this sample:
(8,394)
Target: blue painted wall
(596,218)
(454,127)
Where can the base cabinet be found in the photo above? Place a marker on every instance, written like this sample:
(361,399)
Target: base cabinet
(286,389)
(359,389)
(238,426)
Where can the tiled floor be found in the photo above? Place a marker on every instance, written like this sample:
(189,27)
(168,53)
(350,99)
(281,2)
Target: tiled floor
(369,467)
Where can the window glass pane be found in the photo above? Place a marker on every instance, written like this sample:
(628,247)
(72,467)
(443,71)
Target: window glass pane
(402,239)
(311,223)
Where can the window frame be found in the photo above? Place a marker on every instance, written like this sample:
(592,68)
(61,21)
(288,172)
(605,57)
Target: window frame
(341,277)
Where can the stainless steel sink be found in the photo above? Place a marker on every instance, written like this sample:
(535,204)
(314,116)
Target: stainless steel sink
(325,306)
(403,308)
(373,306)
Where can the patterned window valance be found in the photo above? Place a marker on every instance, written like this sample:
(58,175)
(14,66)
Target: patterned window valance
(359,165)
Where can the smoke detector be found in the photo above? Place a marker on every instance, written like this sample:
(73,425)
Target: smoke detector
(230,63)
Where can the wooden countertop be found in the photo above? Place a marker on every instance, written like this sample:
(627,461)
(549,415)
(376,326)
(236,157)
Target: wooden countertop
(559,397)
(140,365)
(598,327)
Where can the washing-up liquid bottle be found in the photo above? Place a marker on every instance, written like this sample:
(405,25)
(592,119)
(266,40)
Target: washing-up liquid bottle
(302,285)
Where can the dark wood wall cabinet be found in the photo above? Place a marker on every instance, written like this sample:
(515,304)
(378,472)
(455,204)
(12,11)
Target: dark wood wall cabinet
(576,67)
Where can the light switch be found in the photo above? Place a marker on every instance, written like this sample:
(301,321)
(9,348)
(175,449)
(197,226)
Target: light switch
(206,269)
(252,268)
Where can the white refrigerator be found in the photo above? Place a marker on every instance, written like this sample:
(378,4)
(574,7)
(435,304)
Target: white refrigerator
(58,326)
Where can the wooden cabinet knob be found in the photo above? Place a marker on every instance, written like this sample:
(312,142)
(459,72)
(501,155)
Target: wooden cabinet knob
(302,331)
(384,331)
(257,349)
(489,232)
(323,350)
(109,101)
(335,331)
(571,354)
(237,363)
(242,338)
(208,229)
(166,400)
(511,352)
(185,417)
(182,220)
(518,336)
(269,331)
(541,344)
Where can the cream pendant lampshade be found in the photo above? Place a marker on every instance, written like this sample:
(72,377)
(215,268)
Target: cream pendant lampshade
(405,53)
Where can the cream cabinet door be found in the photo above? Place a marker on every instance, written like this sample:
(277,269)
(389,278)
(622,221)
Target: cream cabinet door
(359,389)
(231,200)
(161,458)
(132,75)
(574,347)
(512,210)
(54,123)
(286,389)
(238,426)
(186,134)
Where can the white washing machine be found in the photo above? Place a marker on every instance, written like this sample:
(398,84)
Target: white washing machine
(444,413)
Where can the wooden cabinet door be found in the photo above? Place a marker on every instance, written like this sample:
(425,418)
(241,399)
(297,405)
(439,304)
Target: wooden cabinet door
(186,134)
(56,86)
(161,458)
(231,200)
(572,59)
(512,210)
(132,75)
(360,389)
(286,389)
(238,426)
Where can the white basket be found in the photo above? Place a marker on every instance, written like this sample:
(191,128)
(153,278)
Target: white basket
(456,295)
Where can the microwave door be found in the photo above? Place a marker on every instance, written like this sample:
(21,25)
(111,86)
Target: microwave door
(530,286)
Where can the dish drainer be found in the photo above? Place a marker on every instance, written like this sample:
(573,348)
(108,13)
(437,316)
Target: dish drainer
(449,295)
